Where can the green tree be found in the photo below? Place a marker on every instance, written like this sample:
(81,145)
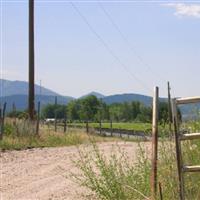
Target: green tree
(145,114)
(103,112)
(163,113)
(73,110)
(50,110)
(135,109)
(115,110)
(89,107)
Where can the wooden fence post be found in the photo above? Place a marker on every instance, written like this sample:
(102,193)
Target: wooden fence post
(87,127)
(100,127)
(154,143)
(111,128)
(169,108)
(14,112)
(2,118)
(55,115)
(160,191)
(38,119)
(65,123)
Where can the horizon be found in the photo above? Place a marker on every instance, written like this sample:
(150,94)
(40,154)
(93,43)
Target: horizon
(114,54)
(66,95)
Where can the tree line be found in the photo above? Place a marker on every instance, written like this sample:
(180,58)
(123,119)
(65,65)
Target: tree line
(93,109)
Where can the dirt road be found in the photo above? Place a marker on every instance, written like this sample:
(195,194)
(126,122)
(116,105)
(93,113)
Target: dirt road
(44,174)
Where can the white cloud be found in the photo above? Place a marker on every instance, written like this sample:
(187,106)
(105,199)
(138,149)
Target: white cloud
(181,9)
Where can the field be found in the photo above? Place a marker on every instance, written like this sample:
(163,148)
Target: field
(135,126)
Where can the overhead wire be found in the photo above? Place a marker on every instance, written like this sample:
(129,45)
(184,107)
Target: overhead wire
(123,65)
(130,46)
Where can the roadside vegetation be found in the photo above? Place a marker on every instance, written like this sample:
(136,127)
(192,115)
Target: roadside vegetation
(117,177)
(21,135)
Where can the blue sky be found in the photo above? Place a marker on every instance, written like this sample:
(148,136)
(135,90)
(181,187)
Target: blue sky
(161,41)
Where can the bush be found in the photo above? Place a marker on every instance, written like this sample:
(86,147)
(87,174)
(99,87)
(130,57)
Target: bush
(115,177)
(8,129)
(119,178)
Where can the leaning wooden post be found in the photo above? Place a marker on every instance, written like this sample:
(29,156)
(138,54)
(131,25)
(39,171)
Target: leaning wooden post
(178,150)
(154,143)
(38,119)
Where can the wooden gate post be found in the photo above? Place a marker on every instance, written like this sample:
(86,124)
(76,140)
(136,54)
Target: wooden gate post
(178,150)
(154,143)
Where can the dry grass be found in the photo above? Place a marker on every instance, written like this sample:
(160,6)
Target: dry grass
(22,136)
(118,178)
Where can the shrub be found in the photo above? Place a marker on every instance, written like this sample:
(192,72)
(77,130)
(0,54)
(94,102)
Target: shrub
(115,177)
(119,178)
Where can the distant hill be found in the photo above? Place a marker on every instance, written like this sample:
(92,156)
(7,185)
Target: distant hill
(17,92)
(21,101)
(190,111)
(120,98)
(9,88)
(97,94)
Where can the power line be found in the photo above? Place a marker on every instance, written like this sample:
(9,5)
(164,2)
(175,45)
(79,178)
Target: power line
(141,60)
(124,66)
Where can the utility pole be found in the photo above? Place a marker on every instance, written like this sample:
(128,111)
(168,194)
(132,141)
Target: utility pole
(31,100)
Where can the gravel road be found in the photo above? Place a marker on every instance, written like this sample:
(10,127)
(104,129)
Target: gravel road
(44,174)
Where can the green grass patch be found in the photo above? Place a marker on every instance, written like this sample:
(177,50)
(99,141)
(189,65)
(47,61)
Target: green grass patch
(136,126)
(51,139)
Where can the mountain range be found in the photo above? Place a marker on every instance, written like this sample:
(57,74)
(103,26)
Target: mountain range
(9,88)
(17,92)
